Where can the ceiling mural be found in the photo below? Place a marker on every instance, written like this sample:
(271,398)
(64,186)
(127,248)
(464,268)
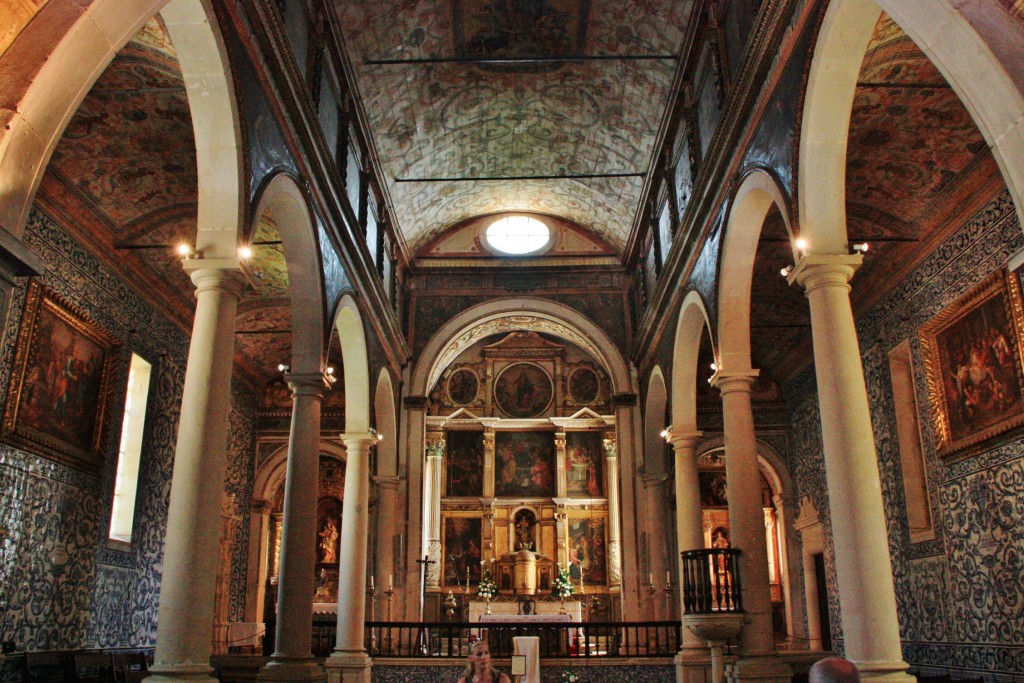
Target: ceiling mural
(442,125)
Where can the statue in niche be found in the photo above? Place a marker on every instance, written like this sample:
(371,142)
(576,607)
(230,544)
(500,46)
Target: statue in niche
(329,542)
(524,523)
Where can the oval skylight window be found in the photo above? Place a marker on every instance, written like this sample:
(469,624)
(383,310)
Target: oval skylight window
(517,235)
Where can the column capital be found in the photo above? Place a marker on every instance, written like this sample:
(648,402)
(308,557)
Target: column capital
(824,270)
(229,274)
(685,440)
(361,440)
(307,383)
(387,483)
(736,380)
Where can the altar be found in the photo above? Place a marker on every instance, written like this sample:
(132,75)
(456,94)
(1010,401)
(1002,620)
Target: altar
(510,612)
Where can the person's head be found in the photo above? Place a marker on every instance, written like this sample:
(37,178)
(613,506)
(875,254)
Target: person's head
(834,670)
(479,658)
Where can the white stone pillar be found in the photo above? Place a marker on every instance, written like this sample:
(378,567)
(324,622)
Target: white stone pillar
(689,531)
(387,523)
(185,617)
(349,662)
(655,499)
(292,659)
(432,482)
(614,534)
(756,644)
(867,598)
(406,605)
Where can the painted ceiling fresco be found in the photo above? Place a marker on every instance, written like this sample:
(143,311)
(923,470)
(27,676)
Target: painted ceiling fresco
(459,121)
(125,175)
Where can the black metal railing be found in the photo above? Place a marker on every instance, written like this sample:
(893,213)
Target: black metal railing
(416,639)
(711,581)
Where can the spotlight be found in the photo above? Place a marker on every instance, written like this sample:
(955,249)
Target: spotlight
(801,244)
(244,253)
(861,247)
(184,250)
(714,367)
(283,368)
(786,271)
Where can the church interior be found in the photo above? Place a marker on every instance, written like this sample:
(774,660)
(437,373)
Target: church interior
(324,317)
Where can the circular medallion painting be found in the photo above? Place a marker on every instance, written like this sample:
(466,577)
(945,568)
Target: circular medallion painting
(462,387)
(523,390)
(584,386)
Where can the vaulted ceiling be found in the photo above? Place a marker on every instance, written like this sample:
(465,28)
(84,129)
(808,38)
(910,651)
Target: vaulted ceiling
(564,96)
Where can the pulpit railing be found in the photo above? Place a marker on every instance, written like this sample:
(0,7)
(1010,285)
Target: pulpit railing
(711,581)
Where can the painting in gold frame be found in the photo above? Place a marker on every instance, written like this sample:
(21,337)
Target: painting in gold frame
(974,367)
(60,383)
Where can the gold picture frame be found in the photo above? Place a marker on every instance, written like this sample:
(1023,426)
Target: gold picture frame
(59,395)
(974,367)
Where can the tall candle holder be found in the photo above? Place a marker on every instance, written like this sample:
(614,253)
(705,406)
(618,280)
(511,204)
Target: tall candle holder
(373,616)
(669,589)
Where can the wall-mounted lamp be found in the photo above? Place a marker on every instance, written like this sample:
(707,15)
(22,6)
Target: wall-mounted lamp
(185,250)
(283,368)
(666,433)
(330,374)
(245,253)
(714,367)
(861,247)
(786,271)
(801,244)
(377,435)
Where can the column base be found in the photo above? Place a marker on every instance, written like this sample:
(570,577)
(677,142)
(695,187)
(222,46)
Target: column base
(181,673)
(292,669)
(348,667)
(885,672)
(693,666)
(760,669)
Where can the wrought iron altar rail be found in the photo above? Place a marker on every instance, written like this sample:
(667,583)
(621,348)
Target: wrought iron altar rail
(416,639)
(711,581)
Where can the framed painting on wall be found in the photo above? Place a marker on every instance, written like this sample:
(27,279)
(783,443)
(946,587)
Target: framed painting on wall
(463,539)
(973,364)
(60,383)
(588,557)
(524,464)
(584,456)
(465,463)
(523,390)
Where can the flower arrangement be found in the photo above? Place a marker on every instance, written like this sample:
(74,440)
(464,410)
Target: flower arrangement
(569,676)
(487,588)
(563,583)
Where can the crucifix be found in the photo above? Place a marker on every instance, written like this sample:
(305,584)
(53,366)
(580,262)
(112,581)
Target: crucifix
(426,562)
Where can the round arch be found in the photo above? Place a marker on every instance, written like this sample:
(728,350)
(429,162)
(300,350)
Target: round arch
(654,423)
(976,51)
(286,201)
(477,321)
(387,425)
(46,89)
(693,320)
(349,326)
(755,196)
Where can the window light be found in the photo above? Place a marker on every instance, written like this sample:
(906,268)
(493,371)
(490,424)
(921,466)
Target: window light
(122,517)
(518,235)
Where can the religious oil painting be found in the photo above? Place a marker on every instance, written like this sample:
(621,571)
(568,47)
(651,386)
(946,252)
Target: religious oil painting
(524,464)
(465,463)
(713,489)
(588,556)
(61,380)
(462,542)
(584,386)
(973,363)
(584,456)
(523,390)
(463,387)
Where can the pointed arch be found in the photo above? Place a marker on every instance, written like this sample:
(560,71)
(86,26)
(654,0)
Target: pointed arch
(349,326)
(283,197)
(45,90)
(756,195)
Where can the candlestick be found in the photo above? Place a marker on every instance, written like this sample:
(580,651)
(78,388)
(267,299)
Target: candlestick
(391,581)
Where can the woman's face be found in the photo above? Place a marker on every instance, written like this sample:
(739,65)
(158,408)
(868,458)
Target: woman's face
(480,655)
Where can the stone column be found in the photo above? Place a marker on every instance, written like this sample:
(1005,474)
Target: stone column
(689,536)
(387,521)
(867,598)
(292,659)
(185,617)
(756,644)
(655,499)
(614,537)
(432,482)
(349,662)
(406,605)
